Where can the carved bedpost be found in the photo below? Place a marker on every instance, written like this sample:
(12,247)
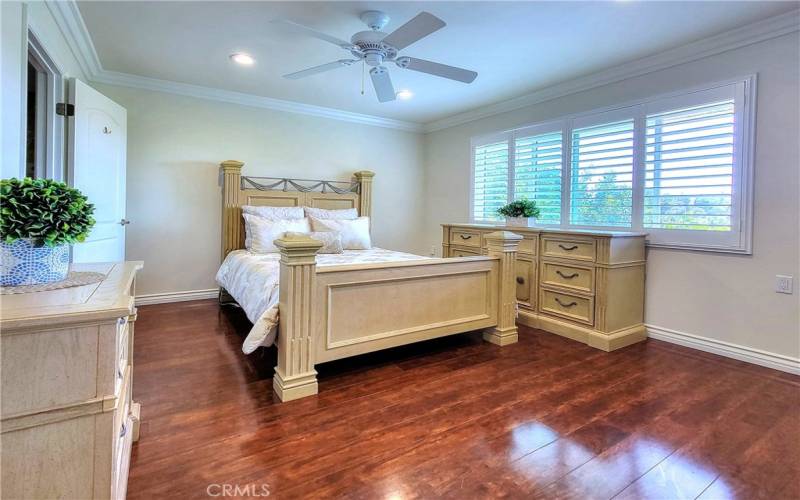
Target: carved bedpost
(295,376)
(504,244)
(231,209)
(364,177)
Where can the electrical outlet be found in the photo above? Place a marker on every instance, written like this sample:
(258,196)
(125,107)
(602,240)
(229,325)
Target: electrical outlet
(433,250)
(784,284)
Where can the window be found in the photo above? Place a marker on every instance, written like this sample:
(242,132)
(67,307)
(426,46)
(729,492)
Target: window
(601,175)
(537,173)
(490,180)
(677,167)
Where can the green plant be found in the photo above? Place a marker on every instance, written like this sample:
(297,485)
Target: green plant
(520,208)
(48,212)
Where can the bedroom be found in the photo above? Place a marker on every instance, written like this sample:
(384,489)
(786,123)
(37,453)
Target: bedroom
(637,335)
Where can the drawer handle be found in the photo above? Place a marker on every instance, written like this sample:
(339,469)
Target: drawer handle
(465,237)
(568,249)
(566,276)
(119,374)
(571,304)
(123,431)
(520,280)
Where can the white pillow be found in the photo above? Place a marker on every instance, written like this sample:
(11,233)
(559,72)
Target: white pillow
(331,241)
(261,233)
(322,213)
(355,233)
(274,213)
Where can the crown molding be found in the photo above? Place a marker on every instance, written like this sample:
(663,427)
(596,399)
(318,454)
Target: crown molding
(766,29)
(69,20)
(145,83)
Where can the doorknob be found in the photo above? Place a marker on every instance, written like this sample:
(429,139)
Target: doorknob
(123,222)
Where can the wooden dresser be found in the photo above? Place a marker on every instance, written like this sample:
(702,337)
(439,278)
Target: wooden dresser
(67,419)
(585,285)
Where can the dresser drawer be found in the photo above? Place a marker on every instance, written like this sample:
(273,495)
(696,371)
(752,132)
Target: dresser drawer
(463,252)
(123,349)
(528,246)
(567,305)
(465,238)
(577,277)
(568,248)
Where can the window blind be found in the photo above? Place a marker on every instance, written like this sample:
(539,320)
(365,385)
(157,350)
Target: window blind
(601,175)
(490,181)
(537,173)
(689,168)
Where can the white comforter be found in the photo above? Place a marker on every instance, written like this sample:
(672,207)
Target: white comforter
(252,279)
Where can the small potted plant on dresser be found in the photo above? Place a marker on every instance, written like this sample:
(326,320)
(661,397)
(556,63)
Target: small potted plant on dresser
(520,213)
(39,220)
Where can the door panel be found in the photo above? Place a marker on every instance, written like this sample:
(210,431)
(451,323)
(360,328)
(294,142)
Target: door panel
(97,155)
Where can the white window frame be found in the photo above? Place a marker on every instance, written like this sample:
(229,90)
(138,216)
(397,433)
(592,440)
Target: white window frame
(741,236)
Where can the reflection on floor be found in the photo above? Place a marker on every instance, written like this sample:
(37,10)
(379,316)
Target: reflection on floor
(456,417)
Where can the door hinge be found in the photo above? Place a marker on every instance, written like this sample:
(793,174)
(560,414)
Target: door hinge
(64,109)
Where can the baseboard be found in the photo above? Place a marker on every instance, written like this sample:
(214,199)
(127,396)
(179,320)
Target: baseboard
(727,349)
(164,298)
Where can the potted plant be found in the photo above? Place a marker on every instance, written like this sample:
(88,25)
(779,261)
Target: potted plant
(520,213)
(39,219)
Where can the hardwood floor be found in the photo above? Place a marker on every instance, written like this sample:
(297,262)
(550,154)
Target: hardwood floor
(456,418)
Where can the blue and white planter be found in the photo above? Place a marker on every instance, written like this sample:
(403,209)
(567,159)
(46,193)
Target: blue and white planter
(22,263)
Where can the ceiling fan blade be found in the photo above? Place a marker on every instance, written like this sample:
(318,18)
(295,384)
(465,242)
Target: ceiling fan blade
(382,83)
(299,28)
(418,28)
(320,69)
(437,69)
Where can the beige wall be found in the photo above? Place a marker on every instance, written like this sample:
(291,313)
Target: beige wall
(727,298)
(175,144)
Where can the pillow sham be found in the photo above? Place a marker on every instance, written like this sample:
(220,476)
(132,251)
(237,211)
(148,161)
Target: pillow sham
(355,233)
(274,213)
(260,233)
(331,241)
(340,214)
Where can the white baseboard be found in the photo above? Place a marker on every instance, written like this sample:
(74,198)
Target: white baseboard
(727,349)
(164,298)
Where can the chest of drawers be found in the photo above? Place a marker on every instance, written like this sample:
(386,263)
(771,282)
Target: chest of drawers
(585,285)
(68,419)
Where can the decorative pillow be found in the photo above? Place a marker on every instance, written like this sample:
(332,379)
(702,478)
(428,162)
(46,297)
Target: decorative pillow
(355,233)
(331,241)
(261,233)
(274,213)
(322,213)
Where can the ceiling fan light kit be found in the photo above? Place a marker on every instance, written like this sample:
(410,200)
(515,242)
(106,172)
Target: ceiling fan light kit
(375,48)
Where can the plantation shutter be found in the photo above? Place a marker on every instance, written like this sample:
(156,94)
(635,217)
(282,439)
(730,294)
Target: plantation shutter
(689,168)
(601,174)
(490,179)
(537,173)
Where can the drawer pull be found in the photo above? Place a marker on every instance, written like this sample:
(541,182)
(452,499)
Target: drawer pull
(568,249)
(123,431)
(465,236)
(571,304)
(566,276)
(119,374)
(520,280)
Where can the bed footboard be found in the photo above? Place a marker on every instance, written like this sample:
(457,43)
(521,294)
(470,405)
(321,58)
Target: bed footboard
(341,311)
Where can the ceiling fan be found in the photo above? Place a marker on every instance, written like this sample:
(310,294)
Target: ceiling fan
(376,48)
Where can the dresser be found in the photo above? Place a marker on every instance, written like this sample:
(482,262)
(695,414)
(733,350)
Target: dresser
(68,421)
(585,285)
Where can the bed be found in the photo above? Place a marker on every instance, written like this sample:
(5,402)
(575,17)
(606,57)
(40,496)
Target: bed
(333,307)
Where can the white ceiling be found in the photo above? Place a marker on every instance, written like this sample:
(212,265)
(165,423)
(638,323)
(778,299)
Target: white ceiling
(516,47)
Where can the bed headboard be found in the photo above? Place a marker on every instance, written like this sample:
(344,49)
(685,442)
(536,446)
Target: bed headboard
(238,190)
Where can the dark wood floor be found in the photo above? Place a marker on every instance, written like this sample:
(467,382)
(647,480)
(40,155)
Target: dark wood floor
(456,418)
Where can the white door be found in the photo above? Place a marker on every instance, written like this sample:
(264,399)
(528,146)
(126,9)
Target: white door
(97,149)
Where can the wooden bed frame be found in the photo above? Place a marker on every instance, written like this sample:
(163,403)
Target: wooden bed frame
(340,311)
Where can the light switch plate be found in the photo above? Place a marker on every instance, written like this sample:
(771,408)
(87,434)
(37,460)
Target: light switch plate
(784,284)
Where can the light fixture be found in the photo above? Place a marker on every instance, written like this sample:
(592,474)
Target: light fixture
(404,94)
(243,59)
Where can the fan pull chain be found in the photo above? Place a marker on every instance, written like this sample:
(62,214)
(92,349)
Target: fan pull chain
(363,74)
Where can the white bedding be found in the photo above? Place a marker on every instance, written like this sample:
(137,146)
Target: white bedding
(252,279)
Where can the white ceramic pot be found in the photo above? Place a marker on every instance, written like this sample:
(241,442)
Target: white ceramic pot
(521,221)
